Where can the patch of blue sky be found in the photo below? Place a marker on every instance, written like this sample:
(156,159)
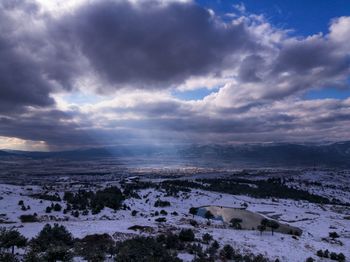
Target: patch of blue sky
(197,94)
(327,93)
(305,17)
(81,98)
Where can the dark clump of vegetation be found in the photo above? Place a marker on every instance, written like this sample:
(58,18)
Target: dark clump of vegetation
(333,235)
(57,207)
(236,223)
(9,239)
(28,218)
(173,189)
(160,219)
(53,243)
(110,197)
(261,189)
(193,211)
(186,235)
(272,187)
(332,255)
(95,247)
(144,249)
(161,203)
(48,197)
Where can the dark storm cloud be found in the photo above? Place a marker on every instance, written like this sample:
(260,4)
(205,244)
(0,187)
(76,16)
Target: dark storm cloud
(249,68)
(33,64)
(21,83)
(303,56)
(153,44)
(160,45)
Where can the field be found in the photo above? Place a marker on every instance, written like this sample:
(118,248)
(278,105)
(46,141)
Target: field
(148,197)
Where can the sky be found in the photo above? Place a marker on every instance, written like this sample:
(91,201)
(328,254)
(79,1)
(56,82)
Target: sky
(91,73)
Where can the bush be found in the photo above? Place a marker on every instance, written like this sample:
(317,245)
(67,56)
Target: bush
(236,223)
(58,253)
(95,247)
(170,241)
(57,207)
(193,211)
(208,215)
(143,249)
(341,257)
(333,256)
(48,197)
(227,252)
(193,223)
(333,235)
(75,213)
(7,257)
(110,197)
(10,238)
(160,219)
(48,210)
(52,236)
(28,218)
(186,235)
(319,253)
(207,238)
(160,203)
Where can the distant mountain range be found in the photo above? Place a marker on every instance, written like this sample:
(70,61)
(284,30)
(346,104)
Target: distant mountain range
(332,154)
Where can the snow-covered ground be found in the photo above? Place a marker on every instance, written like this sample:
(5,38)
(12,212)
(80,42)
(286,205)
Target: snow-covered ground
(315,220)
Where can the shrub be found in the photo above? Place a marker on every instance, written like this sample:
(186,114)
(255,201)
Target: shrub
(10,238)
(28,218)
(186,235)
(236,223)
(52,236)
(193,223)
(57,207)
(207,238)
(58,253)
(110,197)
(48,197)
(161,203)
(319,253)
(95,247)
(208,215)
(333,235)
(333,256)
(7,257)
(160,219)
(227,252)
(143,249)
(193,211)
(341,257)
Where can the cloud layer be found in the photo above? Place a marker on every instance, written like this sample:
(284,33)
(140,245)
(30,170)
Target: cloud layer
(133,55)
